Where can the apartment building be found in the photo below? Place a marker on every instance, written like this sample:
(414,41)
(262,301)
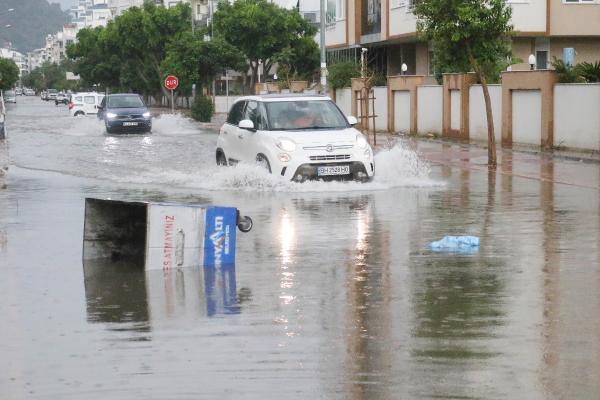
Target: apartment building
(18,58)
(387,28)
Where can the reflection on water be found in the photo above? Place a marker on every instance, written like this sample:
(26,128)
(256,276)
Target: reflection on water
(118,292)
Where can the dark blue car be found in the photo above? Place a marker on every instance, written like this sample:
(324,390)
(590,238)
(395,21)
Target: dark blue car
(125,112)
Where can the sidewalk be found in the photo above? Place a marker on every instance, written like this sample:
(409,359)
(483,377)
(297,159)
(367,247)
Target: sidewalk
(560,167)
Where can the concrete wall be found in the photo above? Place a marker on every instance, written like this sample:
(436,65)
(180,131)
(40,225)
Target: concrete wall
(223,104)
(526,121)
(577,116)
(343,99)
(478,119)
(529,16)
(381,108)
(429,102)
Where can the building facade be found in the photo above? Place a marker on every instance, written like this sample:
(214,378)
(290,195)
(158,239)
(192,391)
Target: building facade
(387,28)
(19,59)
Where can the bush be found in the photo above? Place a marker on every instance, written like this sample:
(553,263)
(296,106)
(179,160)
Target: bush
(340,74)
(202,109)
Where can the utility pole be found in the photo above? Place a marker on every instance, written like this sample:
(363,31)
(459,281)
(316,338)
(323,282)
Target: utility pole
(323,54)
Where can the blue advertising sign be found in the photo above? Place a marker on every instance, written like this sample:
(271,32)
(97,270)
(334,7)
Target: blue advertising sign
(219,237)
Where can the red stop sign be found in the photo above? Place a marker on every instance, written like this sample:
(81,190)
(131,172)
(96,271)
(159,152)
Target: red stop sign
(171,82)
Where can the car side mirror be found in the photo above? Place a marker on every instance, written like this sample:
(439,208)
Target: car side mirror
(352,120)
(246,124)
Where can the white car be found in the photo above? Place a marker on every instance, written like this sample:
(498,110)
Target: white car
(84,103)
(299,137)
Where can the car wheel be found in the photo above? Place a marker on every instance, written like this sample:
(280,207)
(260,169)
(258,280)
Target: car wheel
(79,113)
(262,161)
(109,129)
(221,159)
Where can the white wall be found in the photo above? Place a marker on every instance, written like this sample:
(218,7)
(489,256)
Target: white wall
(527,117)
(402,21)
(222,104)
(430,109)
(577,116)
(402,111)
(343,98)
(455,98)
(477,116)
(336,34)
(381,108)
(529,15)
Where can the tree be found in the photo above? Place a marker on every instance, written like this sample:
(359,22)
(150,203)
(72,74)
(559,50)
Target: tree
(127,54)
(9,74)
(51,76)
(469,35)
(341,74)
(93,60)
(194,60)
(260,30)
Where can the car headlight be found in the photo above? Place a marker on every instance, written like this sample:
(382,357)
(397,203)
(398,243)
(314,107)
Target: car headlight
(286,145)
(111,115)
(146,114)
(361,142)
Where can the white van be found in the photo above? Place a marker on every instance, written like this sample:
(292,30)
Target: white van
(84,103)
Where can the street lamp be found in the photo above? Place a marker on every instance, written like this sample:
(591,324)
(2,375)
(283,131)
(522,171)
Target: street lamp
(531,62)
(363,54)
(404,68)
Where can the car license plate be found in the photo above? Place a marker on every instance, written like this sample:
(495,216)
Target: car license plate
(130,123)
(334,170)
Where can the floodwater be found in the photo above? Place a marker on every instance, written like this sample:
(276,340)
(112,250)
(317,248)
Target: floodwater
(335,293)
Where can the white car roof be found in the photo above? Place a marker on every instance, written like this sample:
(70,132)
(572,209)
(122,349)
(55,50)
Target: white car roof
(285,97)
(87,94)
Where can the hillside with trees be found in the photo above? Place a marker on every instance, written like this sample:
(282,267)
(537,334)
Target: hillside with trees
(30,22)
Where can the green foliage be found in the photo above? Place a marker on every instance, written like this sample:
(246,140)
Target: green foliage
(467,35)
(30,22)
(192,59)
(202,109)
(9,74)
(128,53)
(590,72)
(264,31)
(567,73)
(51,76)
(340,74)
(300,60)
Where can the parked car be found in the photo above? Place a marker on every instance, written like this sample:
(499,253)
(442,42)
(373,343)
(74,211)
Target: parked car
(61,98)
(29,92)
(125,112)
(84,103)
(18,91)
(44,95)
(10,96)
(296,136)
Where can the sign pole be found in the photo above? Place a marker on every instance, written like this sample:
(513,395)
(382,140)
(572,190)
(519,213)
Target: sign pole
(172,103)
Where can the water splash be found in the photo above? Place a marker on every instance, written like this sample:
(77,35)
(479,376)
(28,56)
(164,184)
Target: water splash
(395,167)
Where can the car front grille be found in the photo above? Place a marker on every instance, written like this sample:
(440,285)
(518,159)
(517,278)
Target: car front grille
(329,157)
(130,116)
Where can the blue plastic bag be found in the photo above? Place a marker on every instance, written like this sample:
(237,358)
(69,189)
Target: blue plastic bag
(456,243)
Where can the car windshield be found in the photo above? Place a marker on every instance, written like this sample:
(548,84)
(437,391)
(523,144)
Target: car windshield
(304,115)
(9,93)
(125,102)
(51,90)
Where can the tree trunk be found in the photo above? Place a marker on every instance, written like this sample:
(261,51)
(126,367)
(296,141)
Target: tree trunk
(490,122)
(488,109)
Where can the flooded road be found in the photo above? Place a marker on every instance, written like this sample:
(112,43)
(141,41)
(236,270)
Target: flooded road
(335,293)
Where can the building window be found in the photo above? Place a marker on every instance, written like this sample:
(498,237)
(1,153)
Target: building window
(580,1)
(541,59)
